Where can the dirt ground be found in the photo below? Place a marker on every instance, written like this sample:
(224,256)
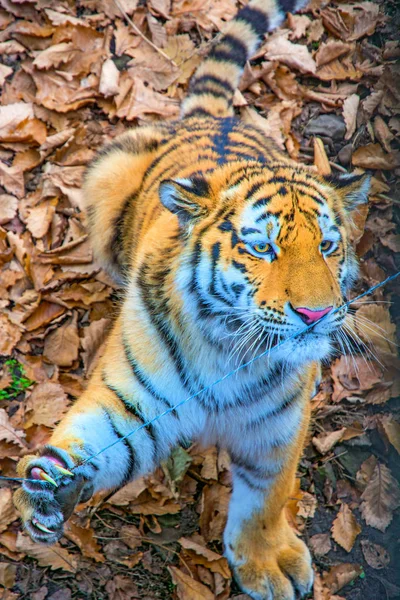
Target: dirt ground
(74,75)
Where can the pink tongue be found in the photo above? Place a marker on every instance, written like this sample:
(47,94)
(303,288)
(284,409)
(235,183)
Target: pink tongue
(35,473)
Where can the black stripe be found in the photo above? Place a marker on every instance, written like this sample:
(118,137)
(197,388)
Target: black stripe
(130,470)
(262,201)
(254,188)
(197,112)
(249,483)
(287,5)
(143,380)
(236,51)
(239,266)
(256,18)
(133,410)
(206,79)
(275,412)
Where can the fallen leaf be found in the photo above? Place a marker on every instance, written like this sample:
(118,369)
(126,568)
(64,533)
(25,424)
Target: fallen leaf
(350,108)
(392,430)
(376,556)
(203,556)
(307,506)
(19,124)
(8,432)
(85,539)
(188,588)
(93,337)
(293,55)
(372,156)
(214,510)
(320,544)
(324,442)
(340,575)
(8,573)
(331,50)
(373,324)
(109,79)
(380,498)
(54,556)
(345,528)
(10,335)
(383,133)
(47,403)
(321,160)
(61,346)
(8,513)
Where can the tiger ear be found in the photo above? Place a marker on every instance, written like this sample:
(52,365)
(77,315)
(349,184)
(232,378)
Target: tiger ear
(187,198)
(353,189)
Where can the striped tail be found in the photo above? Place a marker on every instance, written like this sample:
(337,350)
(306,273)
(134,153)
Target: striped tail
(213,85)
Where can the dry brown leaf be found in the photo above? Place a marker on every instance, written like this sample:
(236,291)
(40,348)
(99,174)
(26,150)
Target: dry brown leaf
(307,506)
(131,536)
(4,73)
(383,133)
(55,55)
(136,100)
(331,50)
(47,402)
(203,556)
(8,208)
(8,573)
(85,539)
(321,544)
(372,156)
(321,160)
(54,556)
(376,556)
(40,217)
(93,337)
(109,79)
(392,430)
(350,108)
(298,24)
(380,498)
(8,431)
(10,335)
(188,588)
(8,513)
(19,124)
(341,575)
(293,55)
(61,346)
(326,441)
(214,510)
(374,326)
(345,528)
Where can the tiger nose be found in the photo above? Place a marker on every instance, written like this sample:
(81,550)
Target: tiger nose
(310,316)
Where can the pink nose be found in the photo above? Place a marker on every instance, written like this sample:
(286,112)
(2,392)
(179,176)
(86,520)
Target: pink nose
(310,316)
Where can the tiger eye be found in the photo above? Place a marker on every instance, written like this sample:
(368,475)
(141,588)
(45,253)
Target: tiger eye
(326,245)
(262,248)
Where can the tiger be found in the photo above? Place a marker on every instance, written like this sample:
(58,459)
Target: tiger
(224,248)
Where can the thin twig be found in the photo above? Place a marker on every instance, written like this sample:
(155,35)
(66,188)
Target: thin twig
(144,38)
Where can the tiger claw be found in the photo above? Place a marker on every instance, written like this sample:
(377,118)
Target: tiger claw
(64,471)
(38,473)
(41,527)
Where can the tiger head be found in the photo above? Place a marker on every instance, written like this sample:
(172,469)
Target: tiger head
(269,255)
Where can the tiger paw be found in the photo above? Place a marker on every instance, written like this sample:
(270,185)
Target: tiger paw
(276,569)
(53,488)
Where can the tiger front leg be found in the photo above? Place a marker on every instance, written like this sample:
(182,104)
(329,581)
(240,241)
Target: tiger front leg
(268,560)
(62,475)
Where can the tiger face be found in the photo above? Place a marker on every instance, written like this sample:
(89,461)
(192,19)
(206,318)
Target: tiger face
(269,256)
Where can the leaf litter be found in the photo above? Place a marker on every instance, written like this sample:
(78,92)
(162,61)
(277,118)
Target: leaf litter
(326,87)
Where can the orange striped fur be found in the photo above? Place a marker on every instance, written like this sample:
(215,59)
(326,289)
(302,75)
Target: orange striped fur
(224,247)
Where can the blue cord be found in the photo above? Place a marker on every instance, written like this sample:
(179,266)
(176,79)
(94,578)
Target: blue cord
(220,380)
